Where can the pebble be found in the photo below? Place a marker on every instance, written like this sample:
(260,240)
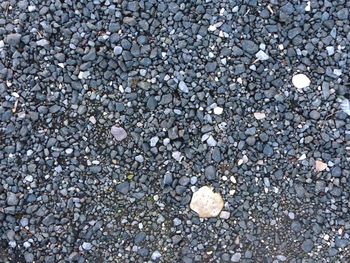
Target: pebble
(320,166)
(307,245)
(250,47)
(261,55)
(206,203)
(13,39)
(210,172)
(12,199)
(155,255)
(153,141)
(301,81)
(259,115)
(87,246)
(218,110)
(123,188)
(117,50)
(211,141)
(236,257)
(118,133)
(42,42)
(224,215)
(183,87)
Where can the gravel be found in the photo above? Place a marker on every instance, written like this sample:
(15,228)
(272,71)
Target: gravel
(114,113)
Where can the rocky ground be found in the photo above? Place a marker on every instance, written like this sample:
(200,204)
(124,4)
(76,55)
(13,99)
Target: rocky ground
(113,113)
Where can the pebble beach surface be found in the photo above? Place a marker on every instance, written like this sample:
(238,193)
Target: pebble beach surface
(174,131)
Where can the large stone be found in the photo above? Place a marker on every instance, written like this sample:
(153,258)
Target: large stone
(206,203)
(118,133)
(301,81)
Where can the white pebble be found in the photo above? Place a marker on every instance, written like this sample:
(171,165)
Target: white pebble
(301,81)
(259,115)
(330,50)
(29,179)
(69,151)
(83,74)
(26,244)
(177,156)
(154,141)
(211,141)
(86,246)
(261,55)
(183,87)
(218,110)
(155,255)
(337,72)
(224,215)
(139,158)
(31,8)
(92,119)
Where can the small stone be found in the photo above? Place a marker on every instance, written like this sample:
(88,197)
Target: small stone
(86,246)
(314,115)
(168,179)
(177,222)
(211,141)
(337,72)
(320,166)
(268,151)
(206,203)
(139,158)
(12,199)
(224,215)
(118,133)
(330,50)
(210,172)
(301,81)
(13,39)
(218,110)
(42,42)
(177,156)
(28,257)
(259,115)
(31,8)
(123,188)
(117,50)
(83,74)
(343,14)
(210,67)
(236,257)
(153,141)
(183,87)
(29,178)
(261,55)
(250,47)
(155,255)
(173,133)
(307,245)
(92,119)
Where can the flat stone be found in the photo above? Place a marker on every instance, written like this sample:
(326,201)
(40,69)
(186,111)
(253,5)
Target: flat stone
(206,203)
